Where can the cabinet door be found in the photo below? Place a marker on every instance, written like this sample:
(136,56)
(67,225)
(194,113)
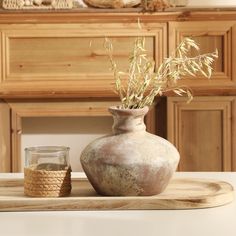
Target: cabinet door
(70,59)
(210,36)
(203,132)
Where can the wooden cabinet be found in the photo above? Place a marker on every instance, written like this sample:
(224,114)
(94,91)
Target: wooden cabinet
(203,132)
(47,56)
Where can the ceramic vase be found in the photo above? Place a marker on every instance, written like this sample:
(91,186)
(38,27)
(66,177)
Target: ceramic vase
(130,161)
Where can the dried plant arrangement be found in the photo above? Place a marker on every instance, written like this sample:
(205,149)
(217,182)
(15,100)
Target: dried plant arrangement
(139,86)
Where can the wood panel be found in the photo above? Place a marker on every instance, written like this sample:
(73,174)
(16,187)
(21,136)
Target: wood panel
(66,58)
(202,132)
(202,141)
(209,36)
(71,57)
(5,129)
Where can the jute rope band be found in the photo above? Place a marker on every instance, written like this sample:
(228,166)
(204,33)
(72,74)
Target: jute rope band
(45,183)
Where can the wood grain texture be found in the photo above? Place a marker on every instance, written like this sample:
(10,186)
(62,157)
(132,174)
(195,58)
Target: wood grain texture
(180,194)
(47,57)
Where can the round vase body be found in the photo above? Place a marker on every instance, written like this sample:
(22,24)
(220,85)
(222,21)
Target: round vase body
(131,161)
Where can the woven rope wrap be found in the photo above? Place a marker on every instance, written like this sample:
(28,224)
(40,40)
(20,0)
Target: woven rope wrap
(44,183)
(33,4)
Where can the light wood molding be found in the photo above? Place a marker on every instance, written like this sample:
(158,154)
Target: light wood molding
(111,15)
(202,132)
(70,58)
(209,35)
(60,108)
(5,129)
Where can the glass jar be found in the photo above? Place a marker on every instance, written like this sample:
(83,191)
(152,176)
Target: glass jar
(50,158)
(47,171)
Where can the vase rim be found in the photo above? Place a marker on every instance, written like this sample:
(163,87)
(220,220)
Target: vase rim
(128,111)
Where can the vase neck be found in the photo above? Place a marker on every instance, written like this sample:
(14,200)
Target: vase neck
(128,120)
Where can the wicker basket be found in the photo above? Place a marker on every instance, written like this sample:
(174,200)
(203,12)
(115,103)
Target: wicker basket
(37,4)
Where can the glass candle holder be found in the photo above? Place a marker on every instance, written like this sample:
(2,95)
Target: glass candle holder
(47,171)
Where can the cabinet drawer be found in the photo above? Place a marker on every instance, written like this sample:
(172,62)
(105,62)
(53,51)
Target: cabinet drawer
(49,57)
(210,36)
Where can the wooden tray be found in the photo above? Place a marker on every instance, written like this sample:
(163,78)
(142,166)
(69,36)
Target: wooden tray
(180,194)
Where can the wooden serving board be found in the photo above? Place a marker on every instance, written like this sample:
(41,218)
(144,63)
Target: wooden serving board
(180,194)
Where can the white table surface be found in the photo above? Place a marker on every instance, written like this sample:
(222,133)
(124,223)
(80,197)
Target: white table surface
(219,221)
